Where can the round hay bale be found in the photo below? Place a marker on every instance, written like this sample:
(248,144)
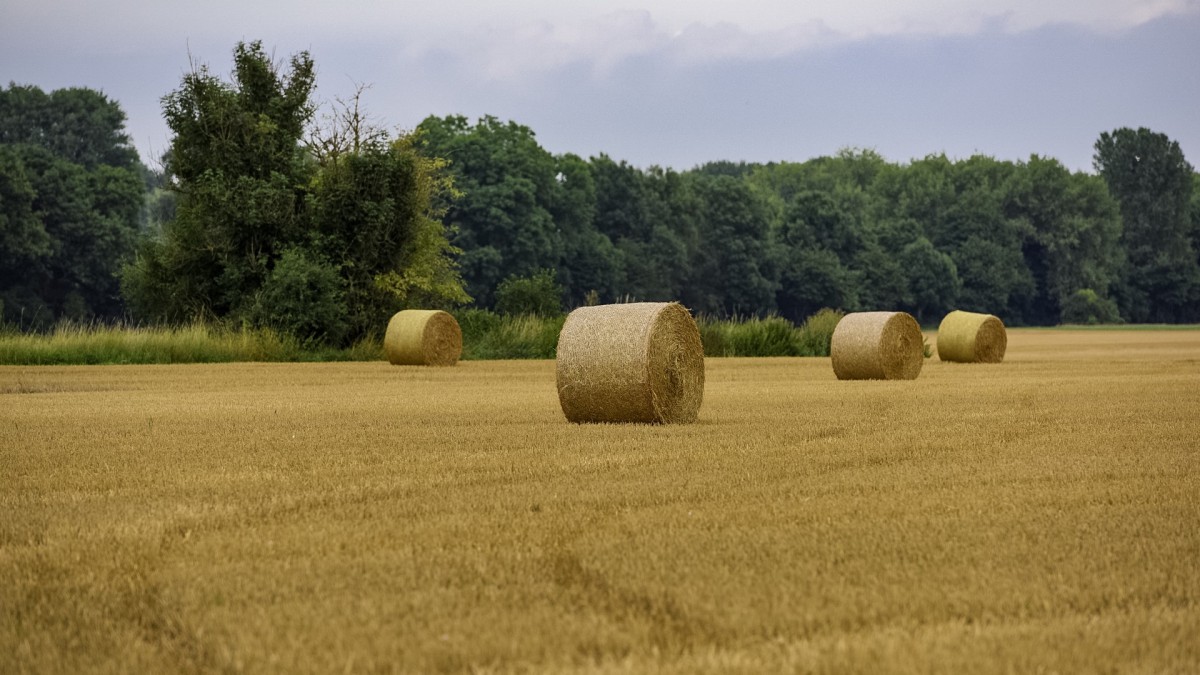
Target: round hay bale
(968,337)
(877,346)
(422,337)
(637,362)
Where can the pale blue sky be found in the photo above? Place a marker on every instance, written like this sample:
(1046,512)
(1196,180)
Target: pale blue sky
(673,83)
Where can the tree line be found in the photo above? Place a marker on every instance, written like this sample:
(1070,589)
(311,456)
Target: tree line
(1030,241)
(269,212)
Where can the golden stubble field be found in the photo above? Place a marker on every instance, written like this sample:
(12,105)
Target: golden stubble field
(1041,515)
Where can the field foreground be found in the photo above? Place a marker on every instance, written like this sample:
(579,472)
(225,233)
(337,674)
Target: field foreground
(1039,515)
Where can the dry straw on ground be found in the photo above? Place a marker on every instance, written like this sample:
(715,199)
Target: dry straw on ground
(969,337)
(423,337)
(877,346)
(637,362)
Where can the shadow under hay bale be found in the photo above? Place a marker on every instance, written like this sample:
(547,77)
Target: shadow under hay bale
(969,337)
(422,337)
(877,346)
(638,362)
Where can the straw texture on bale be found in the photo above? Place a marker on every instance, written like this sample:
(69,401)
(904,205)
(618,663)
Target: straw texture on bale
(423,337)
(638,362)
(877,346)
(969,337)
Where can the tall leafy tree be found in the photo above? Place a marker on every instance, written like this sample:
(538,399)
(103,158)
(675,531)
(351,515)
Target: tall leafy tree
(814,234)
(24,242)
(591,263)
(240,171)
(933,281)
(275,229)
(374,220)
(503,221)
(79,125)
(1195,211)
(72,192)
(651,216)
(1152,181)
(1075,229)
(960,209)
(733,273)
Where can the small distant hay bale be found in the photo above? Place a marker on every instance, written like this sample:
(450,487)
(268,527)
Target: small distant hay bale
(877,346)
(969,337)
(422,337)
(638,362)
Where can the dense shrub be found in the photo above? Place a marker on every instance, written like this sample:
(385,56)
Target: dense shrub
(487,335)
(772,336)
(816,334)
(536,295)
(1085,306)
(303,298)
(476,323)
(713,337)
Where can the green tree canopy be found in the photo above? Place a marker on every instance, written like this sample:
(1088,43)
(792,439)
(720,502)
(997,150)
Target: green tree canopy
(503,220)
(71,191)
(733,273)
(1147,174)
(350,215)
(78,125)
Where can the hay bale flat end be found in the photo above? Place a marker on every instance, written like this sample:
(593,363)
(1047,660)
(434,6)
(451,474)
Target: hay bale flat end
(877,346)
(423,337)
(970,337)
(637,362)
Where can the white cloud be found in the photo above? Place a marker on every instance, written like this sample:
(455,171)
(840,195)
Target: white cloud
(535,37)
(625,68)
(515,51)
(575,27)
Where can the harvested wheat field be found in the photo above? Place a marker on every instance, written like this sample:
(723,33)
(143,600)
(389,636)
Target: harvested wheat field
(1039,515)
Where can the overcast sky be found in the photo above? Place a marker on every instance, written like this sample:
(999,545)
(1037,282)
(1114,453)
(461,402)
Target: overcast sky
(671,82)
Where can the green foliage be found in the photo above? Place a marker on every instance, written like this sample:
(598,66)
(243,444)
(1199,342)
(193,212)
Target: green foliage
(503,220)
(816,333)
(70,197)
(769,336)
(1085,306)
(240,172)
(303,298)
(326,237)
(813,278)
(590,262)
(487,335)
(75,343)
(933,281)
(373,214)
(538,295)
(1076,227)
(23,237)
(732,272)
(78,125)
(475,323)
(1147,174)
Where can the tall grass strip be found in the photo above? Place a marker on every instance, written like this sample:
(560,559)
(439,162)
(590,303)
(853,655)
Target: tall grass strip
(639,362)
(487,335)
(83,344)
(816,334)
(877,346)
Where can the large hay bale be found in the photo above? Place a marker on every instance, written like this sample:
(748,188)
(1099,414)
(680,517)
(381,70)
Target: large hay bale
(637,362)
(423,337)
(877,346)
(969,337)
